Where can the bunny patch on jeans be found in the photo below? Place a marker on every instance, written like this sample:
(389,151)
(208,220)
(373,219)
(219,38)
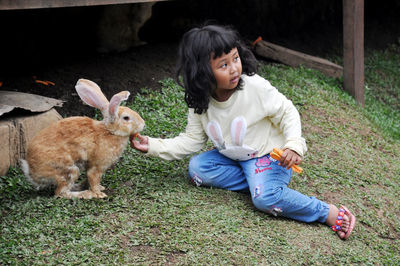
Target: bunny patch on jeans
(237,151)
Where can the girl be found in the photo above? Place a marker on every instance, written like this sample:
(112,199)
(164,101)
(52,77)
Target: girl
(246,118)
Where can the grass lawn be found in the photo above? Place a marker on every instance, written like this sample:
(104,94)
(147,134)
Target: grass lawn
(154,215)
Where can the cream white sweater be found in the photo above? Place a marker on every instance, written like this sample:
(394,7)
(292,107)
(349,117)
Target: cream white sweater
(272,122)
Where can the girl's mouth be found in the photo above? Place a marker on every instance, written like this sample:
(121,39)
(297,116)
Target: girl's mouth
(235,79)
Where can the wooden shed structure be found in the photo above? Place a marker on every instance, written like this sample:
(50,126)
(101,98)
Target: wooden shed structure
(353,33)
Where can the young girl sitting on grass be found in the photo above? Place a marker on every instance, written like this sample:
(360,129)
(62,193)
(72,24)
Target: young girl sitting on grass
(245,117)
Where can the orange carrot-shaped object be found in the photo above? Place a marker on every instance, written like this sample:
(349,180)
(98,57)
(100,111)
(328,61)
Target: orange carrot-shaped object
(257,40)
(134,136)
(277,153)
(45,82)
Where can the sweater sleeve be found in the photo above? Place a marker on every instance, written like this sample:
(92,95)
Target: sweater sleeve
(283,114)
(186,143)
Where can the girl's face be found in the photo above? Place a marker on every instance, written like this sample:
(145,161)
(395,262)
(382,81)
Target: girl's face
(227,70)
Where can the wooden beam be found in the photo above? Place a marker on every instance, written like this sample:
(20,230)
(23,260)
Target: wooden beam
(34,4)
(353,48)
(295,59)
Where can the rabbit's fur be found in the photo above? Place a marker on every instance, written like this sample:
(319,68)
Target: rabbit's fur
(57,153)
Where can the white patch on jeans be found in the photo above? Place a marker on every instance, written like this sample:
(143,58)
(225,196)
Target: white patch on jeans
(257,191)
(275,211)
(197,180)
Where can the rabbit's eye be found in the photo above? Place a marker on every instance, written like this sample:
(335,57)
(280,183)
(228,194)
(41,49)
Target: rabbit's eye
(126,118)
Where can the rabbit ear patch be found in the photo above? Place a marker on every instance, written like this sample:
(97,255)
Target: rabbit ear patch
(238,130)
(116,101)
(91,94)
(215,134)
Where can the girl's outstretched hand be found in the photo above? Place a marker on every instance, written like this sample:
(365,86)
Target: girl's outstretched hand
(140,143)
(289,158)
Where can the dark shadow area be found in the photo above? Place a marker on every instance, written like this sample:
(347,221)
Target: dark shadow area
(59,44)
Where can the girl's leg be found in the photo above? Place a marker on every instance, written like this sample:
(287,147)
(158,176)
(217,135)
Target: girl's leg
(268,184)
(215,170)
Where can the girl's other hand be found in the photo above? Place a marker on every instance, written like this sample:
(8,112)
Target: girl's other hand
(140,143)
(289,158)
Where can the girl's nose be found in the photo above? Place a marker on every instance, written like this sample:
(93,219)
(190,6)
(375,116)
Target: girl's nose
(233,68)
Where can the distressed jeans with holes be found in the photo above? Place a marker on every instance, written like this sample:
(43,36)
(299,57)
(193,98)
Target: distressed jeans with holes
(263,178)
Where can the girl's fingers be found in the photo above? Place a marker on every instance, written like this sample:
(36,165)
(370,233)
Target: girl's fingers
(143,139)
(140,143)
(139,146)
(289,161)
(289,158)
(285,158)
(140,137)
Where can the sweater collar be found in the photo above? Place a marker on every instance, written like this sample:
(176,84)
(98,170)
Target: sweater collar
(226,103)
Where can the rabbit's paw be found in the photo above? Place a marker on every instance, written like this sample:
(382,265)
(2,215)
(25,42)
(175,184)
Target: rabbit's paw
(97,188)
(86,194)
(89,194)
(99,195)
(65,195)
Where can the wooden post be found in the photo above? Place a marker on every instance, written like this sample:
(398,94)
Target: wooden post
(353,48)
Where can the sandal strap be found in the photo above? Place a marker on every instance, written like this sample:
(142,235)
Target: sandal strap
(339,220)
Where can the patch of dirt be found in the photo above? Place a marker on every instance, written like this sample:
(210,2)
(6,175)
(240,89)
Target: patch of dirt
(141,67)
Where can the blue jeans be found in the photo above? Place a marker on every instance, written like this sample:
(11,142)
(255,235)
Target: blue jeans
(264,178)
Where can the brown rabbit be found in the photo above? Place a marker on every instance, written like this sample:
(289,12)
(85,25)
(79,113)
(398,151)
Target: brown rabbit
(58,152)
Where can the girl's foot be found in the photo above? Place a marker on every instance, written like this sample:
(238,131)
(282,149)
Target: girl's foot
(341,221)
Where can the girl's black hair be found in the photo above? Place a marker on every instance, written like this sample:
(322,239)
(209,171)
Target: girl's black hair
(193,65)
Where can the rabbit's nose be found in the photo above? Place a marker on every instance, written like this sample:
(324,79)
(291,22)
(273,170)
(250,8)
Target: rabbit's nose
(141,126)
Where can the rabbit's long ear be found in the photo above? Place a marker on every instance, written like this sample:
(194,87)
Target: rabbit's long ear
(116,101)
(238,130)
(215,134)
(91,94)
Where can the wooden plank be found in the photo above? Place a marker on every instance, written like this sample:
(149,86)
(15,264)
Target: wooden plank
(353,48)
(295,59)
(34,4)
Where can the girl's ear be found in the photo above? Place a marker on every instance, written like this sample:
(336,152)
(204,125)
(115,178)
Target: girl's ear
(115,103)
(215,134)
(238,130)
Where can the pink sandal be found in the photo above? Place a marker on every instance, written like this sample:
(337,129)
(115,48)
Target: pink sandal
(338,227)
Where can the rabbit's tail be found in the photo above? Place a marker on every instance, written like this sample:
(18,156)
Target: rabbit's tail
(25,168)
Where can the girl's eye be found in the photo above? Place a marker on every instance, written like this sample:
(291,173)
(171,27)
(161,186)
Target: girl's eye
(224,66)
(236,58)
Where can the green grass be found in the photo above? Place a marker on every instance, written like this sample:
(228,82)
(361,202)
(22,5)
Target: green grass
(153,215)
(383,90)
